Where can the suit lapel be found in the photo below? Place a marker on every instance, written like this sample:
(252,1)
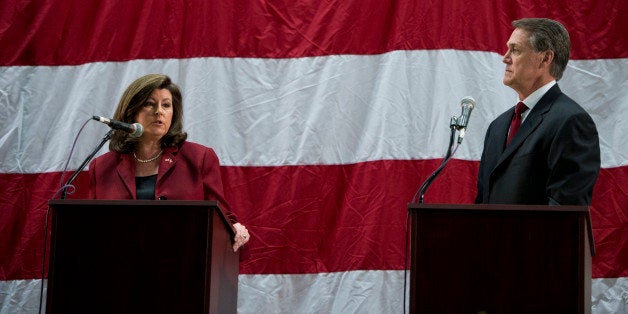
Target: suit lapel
(529,125)
(501,129)
(168,160)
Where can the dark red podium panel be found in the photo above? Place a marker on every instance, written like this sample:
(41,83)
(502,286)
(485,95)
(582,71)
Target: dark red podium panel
(500,259)
(141,257)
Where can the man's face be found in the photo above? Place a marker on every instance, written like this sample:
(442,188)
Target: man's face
(524,66)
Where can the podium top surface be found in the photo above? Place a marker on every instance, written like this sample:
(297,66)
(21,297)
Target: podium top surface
(154,204)
(579,210)
(501,207)
(133,202)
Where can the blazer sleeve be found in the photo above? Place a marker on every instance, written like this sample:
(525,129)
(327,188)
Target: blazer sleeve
(212,183)
(92,180)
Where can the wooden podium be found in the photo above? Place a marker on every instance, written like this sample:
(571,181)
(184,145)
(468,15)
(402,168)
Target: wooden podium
(500,259)
(141,257)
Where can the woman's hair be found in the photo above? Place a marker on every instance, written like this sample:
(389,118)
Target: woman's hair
(133,100)
(546,34)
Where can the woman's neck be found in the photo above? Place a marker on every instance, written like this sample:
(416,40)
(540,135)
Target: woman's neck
(147,150)
(147,159)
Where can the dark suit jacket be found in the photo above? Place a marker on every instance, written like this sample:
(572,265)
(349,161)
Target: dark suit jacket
(188,172)
(554,158)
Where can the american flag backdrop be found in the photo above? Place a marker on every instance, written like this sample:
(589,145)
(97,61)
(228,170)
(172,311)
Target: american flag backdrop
(326,117)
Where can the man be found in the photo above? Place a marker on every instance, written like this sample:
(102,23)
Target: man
(548,154)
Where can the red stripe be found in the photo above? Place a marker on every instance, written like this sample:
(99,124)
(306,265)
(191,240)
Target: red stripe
(310,219)
(609,218)
(23,205)
(77,31)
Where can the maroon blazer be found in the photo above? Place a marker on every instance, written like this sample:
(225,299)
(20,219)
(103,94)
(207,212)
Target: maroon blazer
(188,172)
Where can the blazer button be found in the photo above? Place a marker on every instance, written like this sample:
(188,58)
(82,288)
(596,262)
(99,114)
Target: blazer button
(162,198)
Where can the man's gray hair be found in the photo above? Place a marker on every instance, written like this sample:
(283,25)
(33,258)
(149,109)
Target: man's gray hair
(546,34)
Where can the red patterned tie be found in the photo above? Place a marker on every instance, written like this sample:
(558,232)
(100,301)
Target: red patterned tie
(516,121)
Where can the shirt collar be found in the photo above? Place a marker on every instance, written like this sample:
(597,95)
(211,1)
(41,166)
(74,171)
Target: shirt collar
(534,98)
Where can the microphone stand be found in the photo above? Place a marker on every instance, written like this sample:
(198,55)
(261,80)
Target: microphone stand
(453,125)
(64,190)
(87,160)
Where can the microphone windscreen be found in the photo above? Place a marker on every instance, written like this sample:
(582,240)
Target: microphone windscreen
(138,130)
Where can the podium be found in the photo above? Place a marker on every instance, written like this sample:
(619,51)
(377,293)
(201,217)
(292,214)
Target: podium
(135,256)
(500,259)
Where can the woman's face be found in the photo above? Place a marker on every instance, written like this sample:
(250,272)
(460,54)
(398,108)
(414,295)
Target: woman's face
(156,115)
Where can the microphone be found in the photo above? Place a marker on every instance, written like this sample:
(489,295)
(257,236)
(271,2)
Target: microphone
(134,130)
(467,103)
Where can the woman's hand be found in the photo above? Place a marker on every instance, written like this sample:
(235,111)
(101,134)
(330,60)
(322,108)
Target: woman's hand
(241,237)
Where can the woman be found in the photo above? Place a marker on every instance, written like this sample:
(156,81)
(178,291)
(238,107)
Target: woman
(160,164)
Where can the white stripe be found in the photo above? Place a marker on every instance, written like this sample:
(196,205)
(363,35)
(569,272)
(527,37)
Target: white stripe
(601,87)
(342,292)
(22,296)
(338,109)
(609,295)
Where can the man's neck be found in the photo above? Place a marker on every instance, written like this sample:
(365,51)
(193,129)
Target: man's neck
(542,81)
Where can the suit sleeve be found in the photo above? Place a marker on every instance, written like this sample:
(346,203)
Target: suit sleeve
(574,162)
(480,181)
(483,170)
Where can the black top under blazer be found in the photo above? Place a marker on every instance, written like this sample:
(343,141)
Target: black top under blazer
(554,158)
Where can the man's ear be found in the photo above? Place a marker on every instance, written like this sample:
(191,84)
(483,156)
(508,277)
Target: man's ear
(548,56)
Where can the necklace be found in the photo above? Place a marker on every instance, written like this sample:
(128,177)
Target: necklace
(147,160)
